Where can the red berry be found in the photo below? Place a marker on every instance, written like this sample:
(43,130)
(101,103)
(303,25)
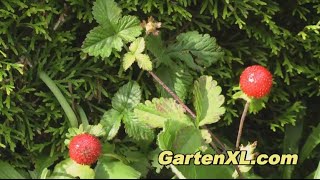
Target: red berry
(85,149)
(256,81)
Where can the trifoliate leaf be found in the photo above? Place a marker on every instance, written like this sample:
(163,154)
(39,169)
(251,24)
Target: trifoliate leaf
(177,79)
(127,97)
(137,129)
(156,112)
(179,138)
(111,121)
(107,169)
(137,46)
(128,60)
(144,62)
(202,46)
(106,12)
(102,40)
(208,100)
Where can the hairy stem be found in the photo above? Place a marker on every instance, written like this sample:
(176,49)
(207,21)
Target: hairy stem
(246,107)
(176,97)
(63,102)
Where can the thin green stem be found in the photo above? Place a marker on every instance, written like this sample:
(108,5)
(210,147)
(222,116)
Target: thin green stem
(63,102)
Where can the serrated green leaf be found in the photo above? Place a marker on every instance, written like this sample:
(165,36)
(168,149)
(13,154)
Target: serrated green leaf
(137,46)
(137,129)
(102,40)
(178,80)
(9,172)
(111,121)
(129,28)
(107,169)
(180,138)
(156,112)
(106,11)
(144,62)
(202,46)
(96,130)
(81,171)
(60,172)
(128,60)
(127,97)
(207,100)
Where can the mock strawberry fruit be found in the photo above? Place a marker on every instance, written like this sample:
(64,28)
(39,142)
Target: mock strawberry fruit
(256,81)
(85,149)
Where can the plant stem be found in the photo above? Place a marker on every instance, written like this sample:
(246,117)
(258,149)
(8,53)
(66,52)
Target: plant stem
(172,94)
(63,102)
(177,172)
(246,107)
(194,116)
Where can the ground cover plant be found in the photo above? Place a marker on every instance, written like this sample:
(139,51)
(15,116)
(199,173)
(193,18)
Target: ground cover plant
(97,89)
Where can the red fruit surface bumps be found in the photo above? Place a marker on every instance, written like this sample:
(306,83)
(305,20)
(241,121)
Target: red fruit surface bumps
(256,81)
(85,149)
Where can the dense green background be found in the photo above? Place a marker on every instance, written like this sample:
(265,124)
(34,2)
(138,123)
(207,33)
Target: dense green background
(47,35)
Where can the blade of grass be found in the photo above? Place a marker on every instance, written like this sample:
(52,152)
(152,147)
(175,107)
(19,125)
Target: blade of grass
(63,102)
(291,145)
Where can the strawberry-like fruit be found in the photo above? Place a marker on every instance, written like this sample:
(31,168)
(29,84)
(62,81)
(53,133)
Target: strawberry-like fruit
(85,149)
(256,81)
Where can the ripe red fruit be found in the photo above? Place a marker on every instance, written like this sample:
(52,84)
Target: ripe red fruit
(85,149)
(256,81)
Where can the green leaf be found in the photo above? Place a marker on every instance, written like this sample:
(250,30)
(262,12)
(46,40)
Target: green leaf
(156,46)
(102,40)
(9,172)
(156,112)
(180,138)
(137,46)
(137,129)
(106,11)
(60,170)
(207,100)
(107,169)
(127,97)
(179,80)
(111,120)
(193,171)
(96,130)
(144,62)
(129,28)
(128,60)
(317,173)
(291,141)
(81,171)
(202,46)
(312,141)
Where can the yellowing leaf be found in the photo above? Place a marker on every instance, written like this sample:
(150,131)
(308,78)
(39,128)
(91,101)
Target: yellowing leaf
(137,47)
(144,62)
(128,60)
